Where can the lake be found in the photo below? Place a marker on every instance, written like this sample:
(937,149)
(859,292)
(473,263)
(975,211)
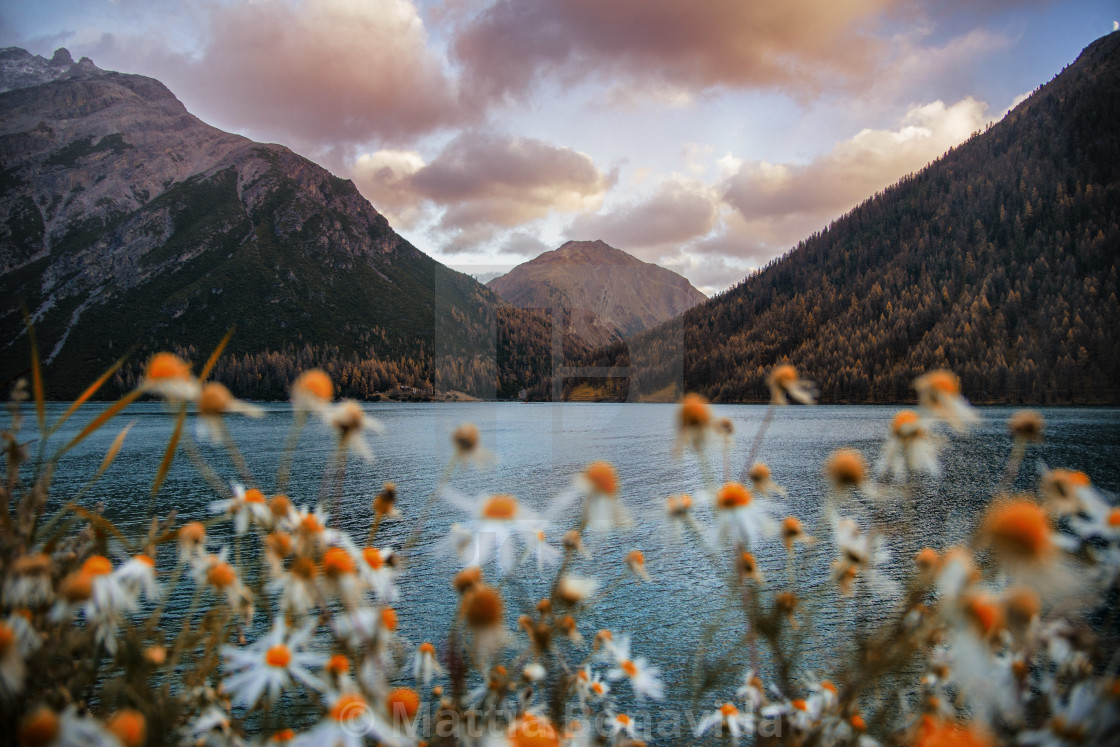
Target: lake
(538,450)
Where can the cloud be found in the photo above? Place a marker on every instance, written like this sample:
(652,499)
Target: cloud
(786,202)
(312,73)
(667,45)
(483,183)
(677,212)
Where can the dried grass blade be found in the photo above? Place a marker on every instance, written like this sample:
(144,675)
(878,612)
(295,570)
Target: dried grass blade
(101,419)
(114,449)
(89,392)
(100,522)
(36,375)
(213,359)
(169,455)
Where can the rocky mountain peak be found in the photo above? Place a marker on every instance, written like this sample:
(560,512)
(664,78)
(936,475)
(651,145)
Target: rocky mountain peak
(605,293)
(21,69)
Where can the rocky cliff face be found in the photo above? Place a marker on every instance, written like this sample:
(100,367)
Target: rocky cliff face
(126,221)
(607,293)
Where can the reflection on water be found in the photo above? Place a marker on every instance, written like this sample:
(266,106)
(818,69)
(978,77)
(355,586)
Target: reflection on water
(540,447)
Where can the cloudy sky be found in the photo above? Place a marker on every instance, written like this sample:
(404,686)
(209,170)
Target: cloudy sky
(708,136)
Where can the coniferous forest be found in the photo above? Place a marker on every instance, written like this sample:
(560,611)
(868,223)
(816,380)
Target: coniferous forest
(1001,261)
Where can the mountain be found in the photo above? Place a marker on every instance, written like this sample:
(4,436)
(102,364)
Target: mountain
(126,223)
(606,293)
(1000,260)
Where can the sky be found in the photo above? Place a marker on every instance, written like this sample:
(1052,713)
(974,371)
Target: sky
(708,136)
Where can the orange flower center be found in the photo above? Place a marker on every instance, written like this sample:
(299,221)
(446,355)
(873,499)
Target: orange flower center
(783,375)
(827,685)
(7,635)
(939,733)
(927,558)
(97,565)
(532,731)
(280,505)
(349,706)
(193,533)
(129,726)
(252,495)
(428,649)
(636,557)
(284,735)
(846,467)
(630,668)
(733,495)
(338,664)
(278,656)
(800,705)
(483,607)
(310,524)
(304,568)
(77,587)
(373,558)
(215,399)
(500,508)
(389,618)
(623,719)
(694,412)
(728,710)
(337,562)
(603,477)
(1020,530)
(791,526)
(220,575)
(39,728)
(403,701)
(465,437)
(759,472)
(142,558)
(167,366)
(857,722)
(597,688)
(280,543)
(314,383)
(985,613)
(943,382)
(904,422)
(1114,517)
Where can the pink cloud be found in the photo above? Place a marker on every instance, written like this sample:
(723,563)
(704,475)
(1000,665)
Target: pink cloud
(796,44)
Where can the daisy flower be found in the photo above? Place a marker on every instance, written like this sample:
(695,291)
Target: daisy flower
(216,572)
(860,555)
(729,718)
(214,401)
(298,586)
(356,626)
(528,729)
(590,686)
(598,484)
(468,448)
(18,640)
(352,423)
(939,392)
(245,507)
(785,384)
(349,721)
(28,582)
(644,679)
(137,576)
(169,376)
(497,520)
(762,482)
(484,612)
(378,568)
(44,726)
(910,449)
(312,391)
(742,517)
(268,666)
(424,664)
(694,419)
(620,723)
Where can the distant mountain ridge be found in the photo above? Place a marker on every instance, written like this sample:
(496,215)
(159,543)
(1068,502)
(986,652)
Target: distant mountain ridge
(126,221)
(1000,260)
(607,293)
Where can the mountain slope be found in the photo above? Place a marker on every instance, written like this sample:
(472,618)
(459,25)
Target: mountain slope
(607,293)
(1001,260)
(127,222)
